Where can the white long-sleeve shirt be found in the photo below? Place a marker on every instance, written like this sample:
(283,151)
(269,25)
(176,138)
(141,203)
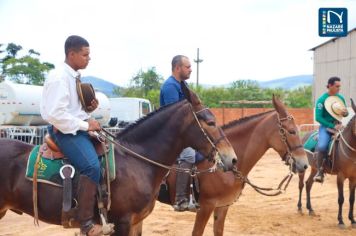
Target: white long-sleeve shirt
(60,105)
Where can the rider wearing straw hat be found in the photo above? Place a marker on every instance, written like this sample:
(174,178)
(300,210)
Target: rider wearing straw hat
(329,110)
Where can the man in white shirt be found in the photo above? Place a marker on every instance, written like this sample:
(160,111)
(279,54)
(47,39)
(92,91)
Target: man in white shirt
(61,107)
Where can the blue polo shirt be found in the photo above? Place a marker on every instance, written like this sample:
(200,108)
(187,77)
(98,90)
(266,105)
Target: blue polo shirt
(171,92)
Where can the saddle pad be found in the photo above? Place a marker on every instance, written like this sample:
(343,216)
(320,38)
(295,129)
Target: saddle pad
(48,169)
(312,141)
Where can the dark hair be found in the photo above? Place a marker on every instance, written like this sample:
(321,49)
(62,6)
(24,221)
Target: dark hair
(75,43)
(177,61)
(332,81)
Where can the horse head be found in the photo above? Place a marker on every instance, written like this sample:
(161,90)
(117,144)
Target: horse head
(219,147)
(290,146)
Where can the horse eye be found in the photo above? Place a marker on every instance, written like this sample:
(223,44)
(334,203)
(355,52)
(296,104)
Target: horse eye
(211,123)
(292,132)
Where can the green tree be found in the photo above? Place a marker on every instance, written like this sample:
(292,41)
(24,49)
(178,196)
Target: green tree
(145,84)
(300,97)
(147,80)
(27,69)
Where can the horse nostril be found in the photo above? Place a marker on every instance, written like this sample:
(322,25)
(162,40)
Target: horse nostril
(234,161)
(305,167)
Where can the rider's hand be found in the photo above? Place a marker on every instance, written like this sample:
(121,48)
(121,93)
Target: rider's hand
(345,113)
(338,127)
(94,125)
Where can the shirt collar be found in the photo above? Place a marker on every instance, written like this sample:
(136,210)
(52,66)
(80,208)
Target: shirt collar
(175,80)
(71,71)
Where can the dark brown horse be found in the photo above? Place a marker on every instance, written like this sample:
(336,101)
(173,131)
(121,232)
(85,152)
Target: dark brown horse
(160,136)
(250,137)
(344,166)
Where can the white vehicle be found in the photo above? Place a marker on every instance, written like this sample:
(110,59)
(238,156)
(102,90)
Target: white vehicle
(20,105)
(126,110)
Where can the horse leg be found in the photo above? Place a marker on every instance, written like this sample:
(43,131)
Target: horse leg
(3,209)
(219,220)
(122,228)
(352,186)
(2,214)
(301,186)
(201,219)
(340,189)
(138,229)
(309,184)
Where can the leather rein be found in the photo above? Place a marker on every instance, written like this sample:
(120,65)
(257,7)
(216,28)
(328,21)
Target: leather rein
(103,134)
(339,134)
(287,157)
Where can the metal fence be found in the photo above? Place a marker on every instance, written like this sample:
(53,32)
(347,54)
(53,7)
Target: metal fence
(27,134)
(34,134)
(305,128)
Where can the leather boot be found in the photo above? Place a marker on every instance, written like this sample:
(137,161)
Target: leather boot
(87,190)
(319,177)
(182,187)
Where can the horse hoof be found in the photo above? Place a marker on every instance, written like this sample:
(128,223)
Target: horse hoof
(341,226)
(312,213)
(300,211)
(353,225)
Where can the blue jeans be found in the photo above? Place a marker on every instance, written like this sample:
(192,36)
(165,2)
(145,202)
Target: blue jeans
(323,139)
(187,155)
(80,151)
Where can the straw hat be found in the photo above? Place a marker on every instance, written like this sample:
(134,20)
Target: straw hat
(335,107)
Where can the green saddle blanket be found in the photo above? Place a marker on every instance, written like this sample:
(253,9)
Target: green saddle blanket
(312,141)
(48,169)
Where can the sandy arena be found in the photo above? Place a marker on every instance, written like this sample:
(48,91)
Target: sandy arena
(252,214)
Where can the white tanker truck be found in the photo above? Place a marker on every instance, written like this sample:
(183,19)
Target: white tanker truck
(20,116)
(20,105)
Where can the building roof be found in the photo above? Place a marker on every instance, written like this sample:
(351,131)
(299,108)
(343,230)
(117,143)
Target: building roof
(331,40)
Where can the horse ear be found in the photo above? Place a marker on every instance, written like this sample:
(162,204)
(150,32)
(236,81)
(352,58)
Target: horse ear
(274,101)
(353,105)
(186,91)
(279,106)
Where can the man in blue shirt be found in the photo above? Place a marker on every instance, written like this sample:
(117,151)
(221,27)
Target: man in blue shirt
(171,92)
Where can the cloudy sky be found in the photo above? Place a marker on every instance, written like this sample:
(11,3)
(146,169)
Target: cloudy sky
(238,39)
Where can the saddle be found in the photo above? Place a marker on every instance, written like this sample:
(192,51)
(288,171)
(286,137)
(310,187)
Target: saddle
(310,147)
(50,149)
(311,143)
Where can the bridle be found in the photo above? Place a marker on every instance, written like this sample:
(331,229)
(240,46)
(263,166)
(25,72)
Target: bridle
(288,156)
(214,150)
(216,159)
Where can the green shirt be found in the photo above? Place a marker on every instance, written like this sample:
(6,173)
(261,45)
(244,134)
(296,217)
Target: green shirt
(322,115)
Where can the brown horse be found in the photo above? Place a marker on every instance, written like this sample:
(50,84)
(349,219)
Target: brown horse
(344,166)
(160,137)
(251,137)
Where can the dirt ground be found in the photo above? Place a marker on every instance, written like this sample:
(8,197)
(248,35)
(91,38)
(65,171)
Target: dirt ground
(252,214)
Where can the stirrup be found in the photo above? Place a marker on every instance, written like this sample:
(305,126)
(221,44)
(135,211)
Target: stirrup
(193,206)
(181,205)
(319,177)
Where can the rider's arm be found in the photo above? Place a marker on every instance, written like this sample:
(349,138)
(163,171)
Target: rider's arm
(170,94)
(54,108)
(319,115)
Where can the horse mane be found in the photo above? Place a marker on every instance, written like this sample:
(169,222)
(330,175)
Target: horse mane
(245,119)
(129,131)
(350,122)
